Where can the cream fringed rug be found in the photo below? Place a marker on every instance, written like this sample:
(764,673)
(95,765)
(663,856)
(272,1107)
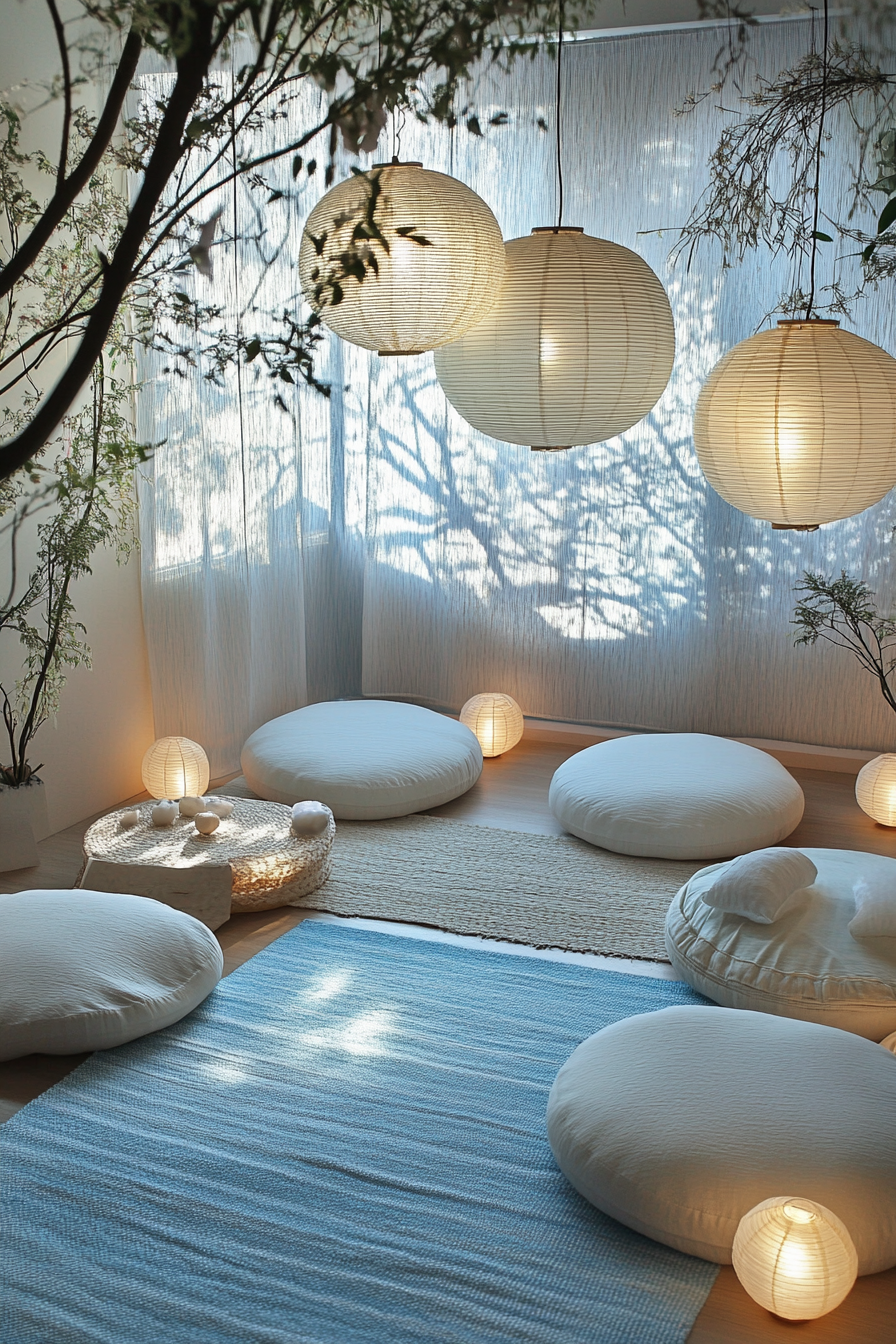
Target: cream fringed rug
(539,889)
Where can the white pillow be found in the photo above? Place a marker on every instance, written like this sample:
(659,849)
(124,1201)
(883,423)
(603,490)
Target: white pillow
(758,885)
(875,915)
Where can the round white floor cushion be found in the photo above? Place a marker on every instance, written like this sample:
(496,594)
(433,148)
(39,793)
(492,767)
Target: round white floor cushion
(678,1122)
(366,759)
(806,964)
(676,796)
(86,970)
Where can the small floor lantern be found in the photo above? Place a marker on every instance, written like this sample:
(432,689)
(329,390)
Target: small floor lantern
(175,767)
(797,426)
(578,348)
(876,789)
(401,259)
(794,1257)
(496,719)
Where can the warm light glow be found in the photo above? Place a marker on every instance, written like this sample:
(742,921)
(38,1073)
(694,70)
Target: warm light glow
(420,294)
(496,719)
(797,425)
(578,347)
(175,767)
(876,789)
(794,1257)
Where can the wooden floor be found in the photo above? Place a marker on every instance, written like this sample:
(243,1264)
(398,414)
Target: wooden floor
(512,795)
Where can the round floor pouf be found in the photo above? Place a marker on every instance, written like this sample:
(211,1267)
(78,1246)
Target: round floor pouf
(806,964)
(678,1122)
(676,796)
(366,759)
(87,970)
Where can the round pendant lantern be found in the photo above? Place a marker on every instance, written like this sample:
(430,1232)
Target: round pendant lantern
(437,271)
(797,425)
(578,347)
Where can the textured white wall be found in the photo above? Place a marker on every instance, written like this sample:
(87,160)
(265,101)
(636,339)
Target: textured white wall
(92,753)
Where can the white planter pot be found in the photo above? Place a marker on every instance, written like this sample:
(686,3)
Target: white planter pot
(23,815)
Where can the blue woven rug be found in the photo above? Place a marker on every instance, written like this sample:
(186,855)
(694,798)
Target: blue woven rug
(345,1143)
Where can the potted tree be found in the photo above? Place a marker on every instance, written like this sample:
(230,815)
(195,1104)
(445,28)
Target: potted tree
(86,508)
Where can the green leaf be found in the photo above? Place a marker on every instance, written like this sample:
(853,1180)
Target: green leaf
(252,350)
(885,184)
(296,165)
(822,237)
(286,375)
(473,126)
(197,127)
(887,216)
(869,252)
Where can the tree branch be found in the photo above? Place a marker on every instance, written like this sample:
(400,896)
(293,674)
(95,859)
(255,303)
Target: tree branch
(67,90)
(68,190)
(192,69)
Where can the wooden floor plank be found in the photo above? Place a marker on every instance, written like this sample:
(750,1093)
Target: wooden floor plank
(512,795)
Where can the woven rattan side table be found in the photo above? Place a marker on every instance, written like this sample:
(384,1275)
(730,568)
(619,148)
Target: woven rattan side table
(251,862)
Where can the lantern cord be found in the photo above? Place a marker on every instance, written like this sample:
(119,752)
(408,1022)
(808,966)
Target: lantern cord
(559,155)
(818,153)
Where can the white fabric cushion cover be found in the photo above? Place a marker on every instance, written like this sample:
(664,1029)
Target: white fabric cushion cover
(759,885)
(86,970)
(676,796)
(875,898)
(366,759)
(678,1122)
(806,964)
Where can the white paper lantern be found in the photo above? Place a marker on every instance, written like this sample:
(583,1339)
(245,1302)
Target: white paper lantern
(876,789)
(579,346)
(794,1257)
(174,767)
(797,425)
(422,294)
(496,719)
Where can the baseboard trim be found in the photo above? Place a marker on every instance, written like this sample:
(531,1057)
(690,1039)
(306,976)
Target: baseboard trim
(800,755)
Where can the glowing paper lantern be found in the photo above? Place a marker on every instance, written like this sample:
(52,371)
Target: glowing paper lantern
(174,767)
(876,789)
(442,271)
(496,719)
(794,1257)
(578,347)
(798,425)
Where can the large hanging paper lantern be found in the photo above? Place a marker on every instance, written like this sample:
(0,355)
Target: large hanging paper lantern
(794,1257)
(175,767)
(578,347)
(442,271)
(798,425)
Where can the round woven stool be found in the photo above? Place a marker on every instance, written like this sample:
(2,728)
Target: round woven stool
(252,858)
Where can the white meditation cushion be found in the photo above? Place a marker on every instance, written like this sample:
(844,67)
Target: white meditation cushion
(86,970)
(678,1122)
(759,885)
(806,964)
(676,796)
(366,759)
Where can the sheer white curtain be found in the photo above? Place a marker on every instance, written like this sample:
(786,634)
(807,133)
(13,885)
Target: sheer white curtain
(374,543)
